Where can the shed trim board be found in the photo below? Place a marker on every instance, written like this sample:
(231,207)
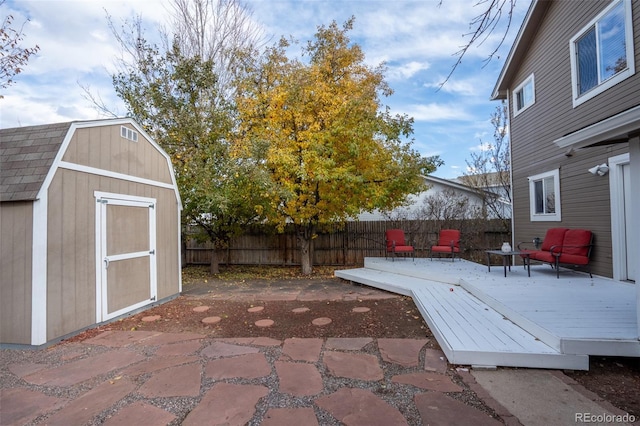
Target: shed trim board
(39,271)
(110,174)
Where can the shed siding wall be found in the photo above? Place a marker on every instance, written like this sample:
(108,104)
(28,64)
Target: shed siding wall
(71,240)
(16,228)
(585,198)
(71,295)
(103,148)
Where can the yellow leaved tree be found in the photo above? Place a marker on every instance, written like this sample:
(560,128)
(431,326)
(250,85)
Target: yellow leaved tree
(318,127)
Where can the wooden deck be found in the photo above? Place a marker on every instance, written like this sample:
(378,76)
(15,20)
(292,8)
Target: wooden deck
(483,318)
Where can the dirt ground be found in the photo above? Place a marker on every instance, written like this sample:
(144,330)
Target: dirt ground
(235,319)
(231,295)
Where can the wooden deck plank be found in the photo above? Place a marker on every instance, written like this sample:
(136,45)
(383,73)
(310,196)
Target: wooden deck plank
(378,279)
(468,320)
(575,314)
(572,307)
(468,331)
(594,312)
(462,330)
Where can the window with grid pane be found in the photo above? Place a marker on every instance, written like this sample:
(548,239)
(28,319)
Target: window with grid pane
(600,52)
(545,196)
(524,95)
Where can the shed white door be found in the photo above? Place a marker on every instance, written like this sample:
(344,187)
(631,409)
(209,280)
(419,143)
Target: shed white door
(126,247)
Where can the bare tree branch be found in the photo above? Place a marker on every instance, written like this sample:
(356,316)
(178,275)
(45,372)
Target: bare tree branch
(13,57)
(215,30)
(489,170)
(482,26)
(97,102)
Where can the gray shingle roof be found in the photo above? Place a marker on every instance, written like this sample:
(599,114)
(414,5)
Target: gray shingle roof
(26,155)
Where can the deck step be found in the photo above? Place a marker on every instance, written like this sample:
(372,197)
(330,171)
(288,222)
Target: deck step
(448,272)
(469,331)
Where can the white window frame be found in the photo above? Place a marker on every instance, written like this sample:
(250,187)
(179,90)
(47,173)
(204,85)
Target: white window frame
(578,98)
(545,217)
(528,81)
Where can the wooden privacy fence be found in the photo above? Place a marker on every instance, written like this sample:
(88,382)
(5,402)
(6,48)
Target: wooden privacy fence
(343,245)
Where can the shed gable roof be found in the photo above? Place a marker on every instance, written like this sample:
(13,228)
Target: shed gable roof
(26,155)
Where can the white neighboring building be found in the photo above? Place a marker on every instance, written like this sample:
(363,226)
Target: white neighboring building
(436,185)
(493,183)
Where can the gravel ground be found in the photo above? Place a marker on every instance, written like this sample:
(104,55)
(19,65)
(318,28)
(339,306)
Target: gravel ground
(398,395)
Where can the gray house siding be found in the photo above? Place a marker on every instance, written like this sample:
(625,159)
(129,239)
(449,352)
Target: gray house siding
(585,199)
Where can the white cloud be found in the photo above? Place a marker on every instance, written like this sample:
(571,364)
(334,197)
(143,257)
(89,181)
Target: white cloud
(481,135)
(436,112)
(406,70)
(100,36)
(416,39)
(460,86)
(76,46)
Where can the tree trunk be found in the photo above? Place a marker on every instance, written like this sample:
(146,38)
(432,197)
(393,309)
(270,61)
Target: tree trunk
(215,262)
(305,241)
(305,257)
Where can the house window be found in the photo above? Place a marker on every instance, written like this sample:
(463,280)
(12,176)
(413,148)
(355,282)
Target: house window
(127,133)
(524,96)
(602,52)
(544,197)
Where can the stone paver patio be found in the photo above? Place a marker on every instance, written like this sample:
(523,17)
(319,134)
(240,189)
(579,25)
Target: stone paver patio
(147,377)
(129,377)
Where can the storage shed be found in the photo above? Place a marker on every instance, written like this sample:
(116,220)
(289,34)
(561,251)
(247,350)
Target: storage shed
(90,227)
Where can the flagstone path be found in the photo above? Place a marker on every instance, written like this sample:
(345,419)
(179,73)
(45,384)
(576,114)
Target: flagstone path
(136,377)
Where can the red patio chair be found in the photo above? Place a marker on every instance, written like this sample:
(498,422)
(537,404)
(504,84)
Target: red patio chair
(448,243)
(563,246)
(397,244)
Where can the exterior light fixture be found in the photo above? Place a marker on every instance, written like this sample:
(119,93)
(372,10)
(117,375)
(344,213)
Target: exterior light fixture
(600,170)
(536,242)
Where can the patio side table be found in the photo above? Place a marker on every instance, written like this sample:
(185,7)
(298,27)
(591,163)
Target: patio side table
(506,259)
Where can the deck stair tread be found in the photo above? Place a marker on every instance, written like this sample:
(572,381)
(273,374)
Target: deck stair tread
(469,331)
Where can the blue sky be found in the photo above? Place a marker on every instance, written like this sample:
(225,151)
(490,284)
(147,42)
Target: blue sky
(416,39)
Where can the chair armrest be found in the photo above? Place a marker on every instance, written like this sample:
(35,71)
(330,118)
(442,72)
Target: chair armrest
(556,250)
(522,245)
